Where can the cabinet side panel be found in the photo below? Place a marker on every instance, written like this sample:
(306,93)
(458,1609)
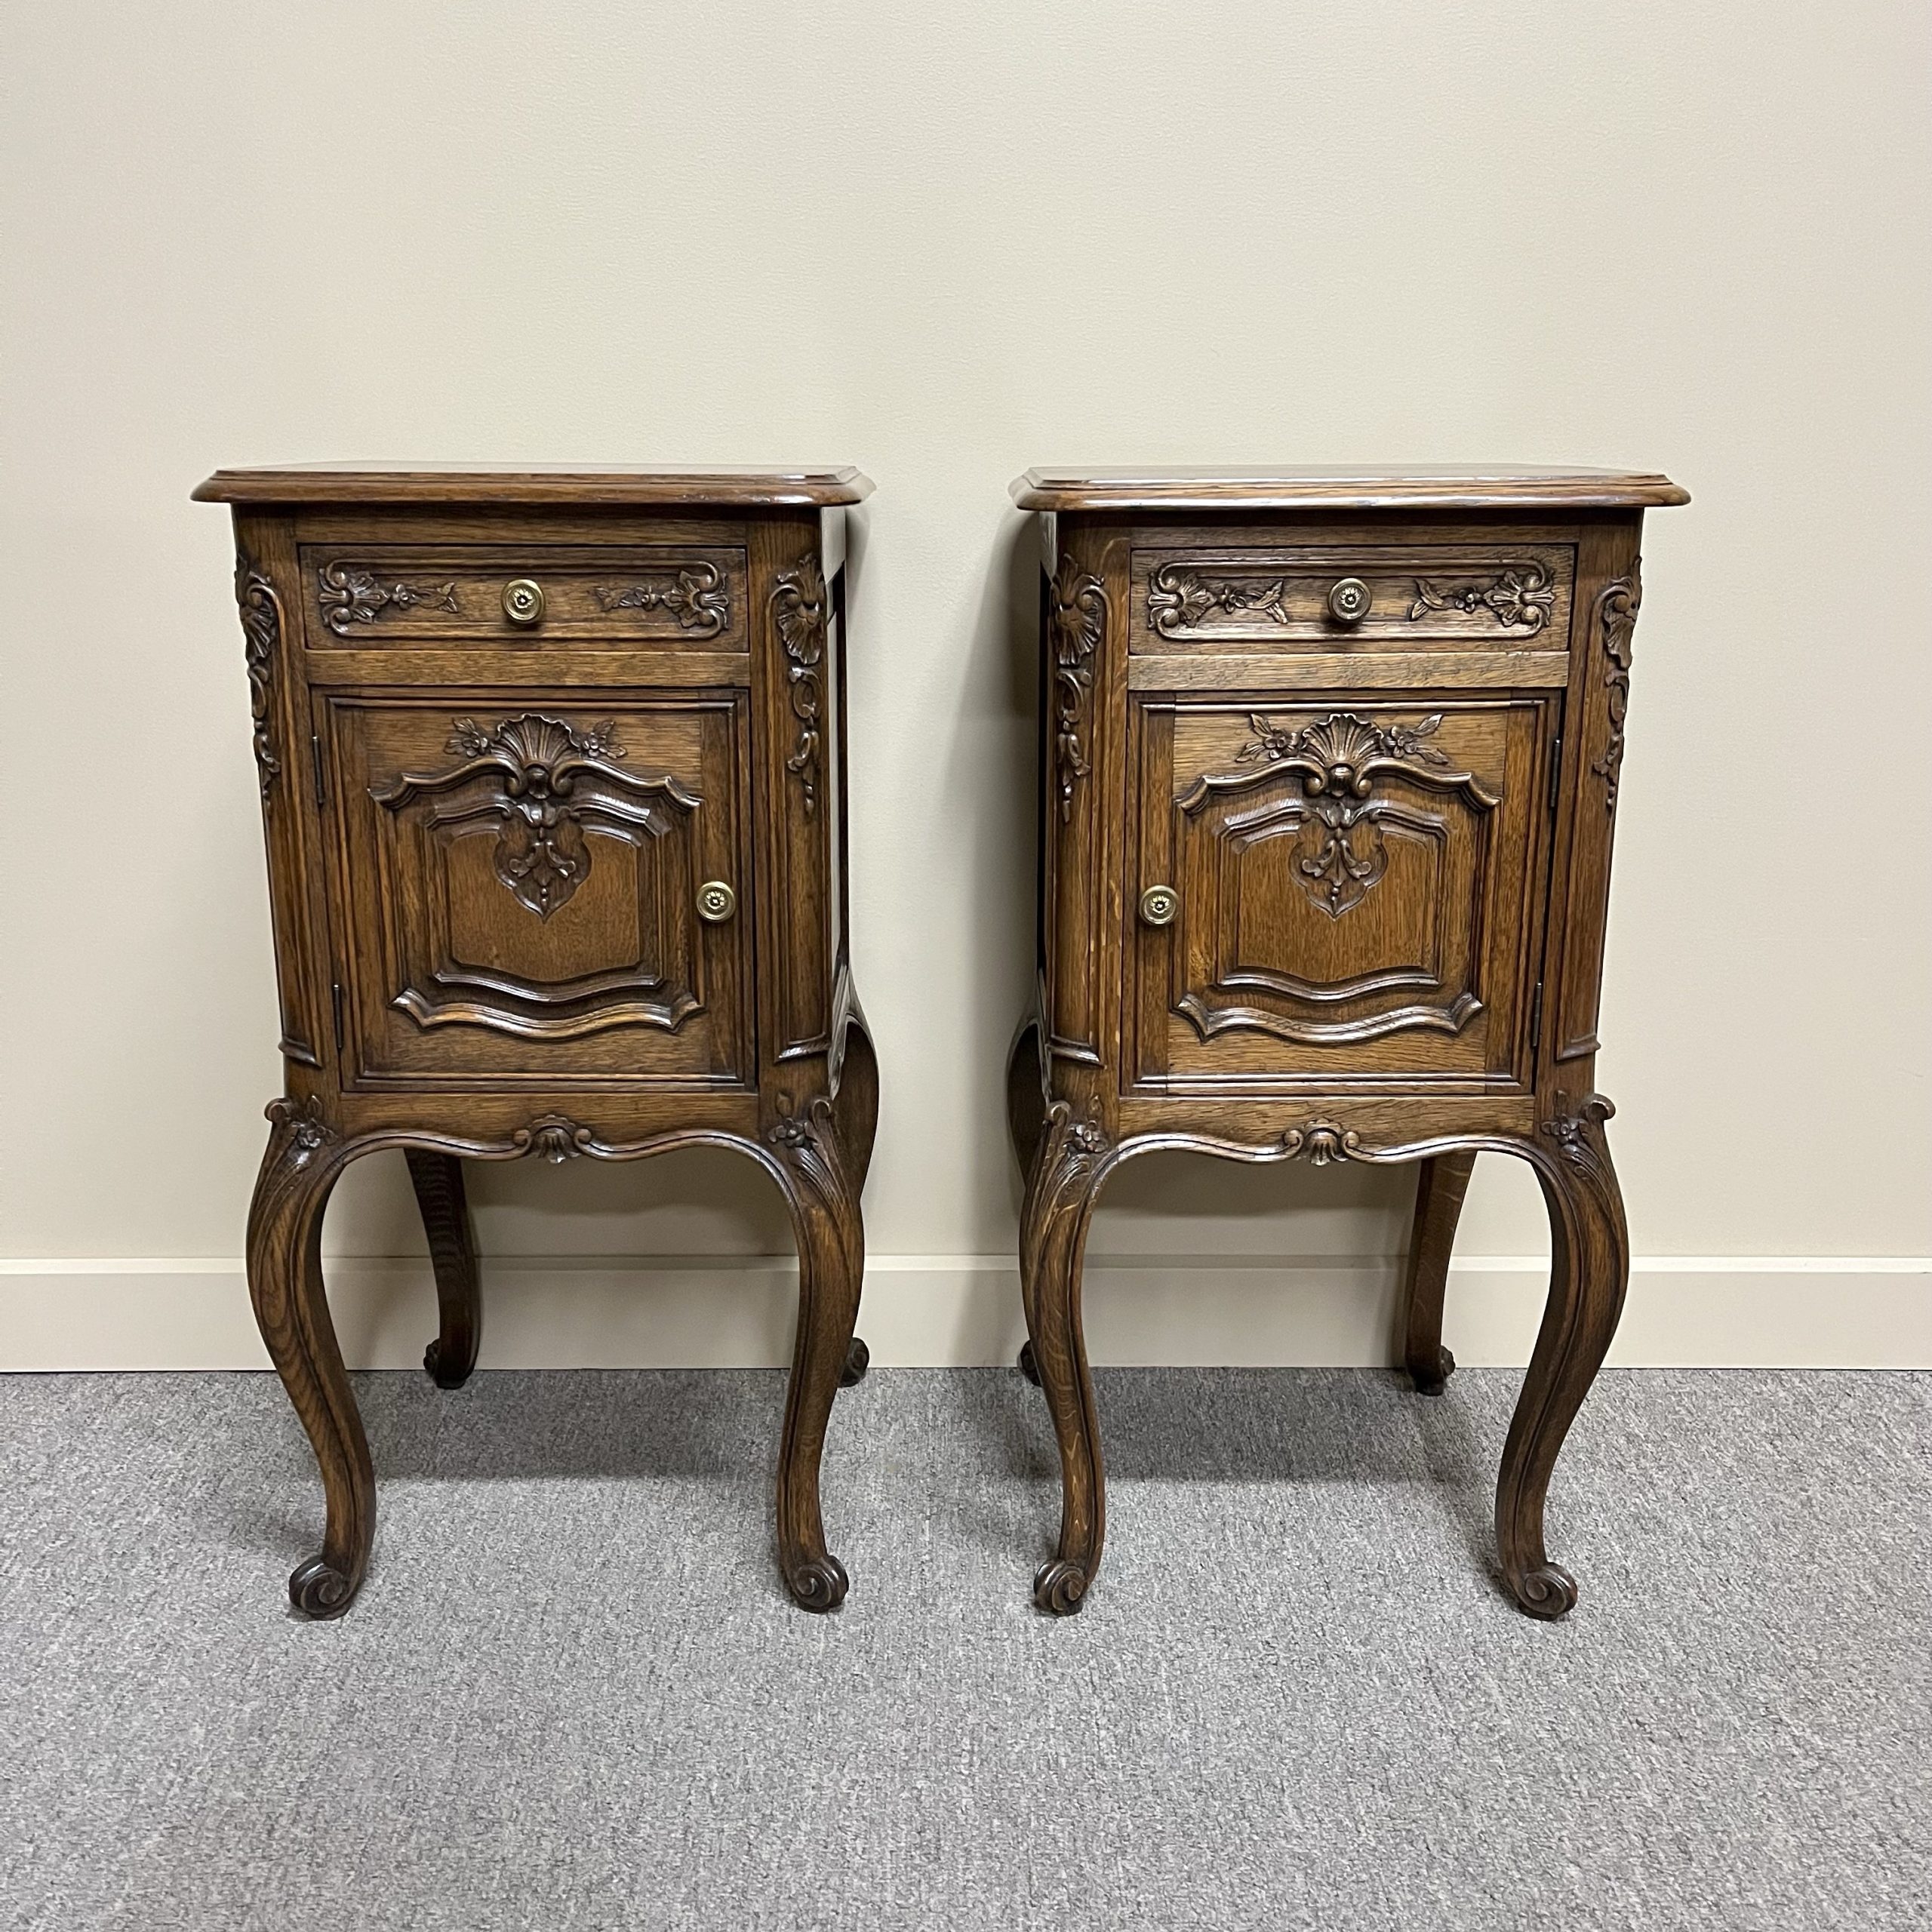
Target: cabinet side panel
(267,590)
(1608,590)
(1082,640)
(794,700)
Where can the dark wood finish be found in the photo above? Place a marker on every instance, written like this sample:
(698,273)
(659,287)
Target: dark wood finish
(1441,1185)
(553,782)
(1336,487)
(1330,768)
(438,1180)
(576,486)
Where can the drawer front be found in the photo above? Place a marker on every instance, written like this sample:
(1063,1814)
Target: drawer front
(1335,892)
(622,598)
(1392,597)
(526,888)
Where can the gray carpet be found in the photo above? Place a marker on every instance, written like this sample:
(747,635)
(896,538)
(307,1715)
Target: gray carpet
(572,1695)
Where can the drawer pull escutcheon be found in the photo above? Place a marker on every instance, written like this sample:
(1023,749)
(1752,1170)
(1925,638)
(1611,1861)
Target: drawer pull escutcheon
(1158,905)
(716,902)
(523,600)
(1349,601)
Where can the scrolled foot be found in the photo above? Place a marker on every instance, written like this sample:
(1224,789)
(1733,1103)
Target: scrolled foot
(1060,1587)
(1548,1593)
(1431,1380)
(1027,1366)
(319,1591)
(858,1359)
(452,1377)
(818,1584)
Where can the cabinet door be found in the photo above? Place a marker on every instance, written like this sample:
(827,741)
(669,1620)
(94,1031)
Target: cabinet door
(529,888)
(1352,895)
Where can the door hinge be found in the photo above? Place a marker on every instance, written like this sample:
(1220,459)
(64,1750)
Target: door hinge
(1555,770)
(335,1004)
(1536,1019)
(316,769)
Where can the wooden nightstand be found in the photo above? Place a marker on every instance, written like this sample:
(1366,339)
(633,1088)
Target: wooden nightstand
(553,781)
(1329,766)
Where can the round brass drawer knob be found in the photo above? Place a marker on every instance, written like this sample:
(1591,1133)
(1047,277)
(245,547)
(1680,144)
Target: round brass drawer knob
(1349,601)
(523,601)
(716,902)
(1158,905)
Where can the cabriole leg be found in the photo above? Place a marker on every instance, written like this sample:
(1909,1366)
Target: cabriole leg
(438,1179)
(1067,1170)
(1589,1270)
(816,1174)
(304,1158)
(1440,1187)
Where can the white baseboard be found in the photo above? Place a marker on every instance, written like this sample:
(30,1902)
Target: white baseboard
(948,1311)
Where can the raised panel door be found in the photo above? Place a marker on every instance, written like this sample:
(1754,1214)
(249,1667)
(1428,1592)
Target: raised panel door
(1351,891)
(531,888)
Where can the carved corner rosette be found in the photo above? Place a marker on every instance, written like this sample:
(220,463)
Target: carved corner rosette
(1339,759)
(261,632)
(1578,1137)
(306,1130)
(1521,597)
(694,594)
(1076,623)
(799,609)
(350,594)
(1617,607)
(1073,1146)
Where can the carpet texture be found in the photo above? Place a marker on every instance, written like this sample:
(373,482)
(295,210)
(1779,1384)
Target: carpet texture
(573,1693)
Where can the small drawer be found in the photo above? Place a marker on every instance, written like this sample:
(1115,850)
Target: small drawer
(1395,597)
(628,598)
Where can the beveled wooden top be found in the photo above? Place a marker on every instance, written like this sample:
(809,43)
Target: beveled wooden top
(735,487)
(1423,486)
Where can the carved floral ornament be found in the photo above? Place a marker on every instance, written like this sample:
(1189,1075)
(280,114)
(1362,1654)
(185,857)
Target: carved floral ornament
(1076,622)
(1182,597)
(261,634)
(351,594)
(797,608)
(695,595)
(309,1133)
(1339,759)
(1617,607)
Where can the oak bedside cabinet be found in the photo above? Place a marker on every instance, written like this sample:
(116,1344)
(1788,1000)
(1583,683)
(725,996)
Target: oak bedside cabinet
(553,782)
(1329,768)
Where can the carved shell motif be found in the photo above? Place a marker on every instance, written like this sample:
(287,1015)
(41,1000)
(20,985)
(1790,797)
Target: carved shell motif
(1337,752)
(1339,759)
(541,854)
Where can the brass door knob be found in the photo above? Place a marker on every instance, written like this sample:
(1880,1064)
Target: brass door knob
(716,902)
(1158,905)
(523,601)
(1349,601)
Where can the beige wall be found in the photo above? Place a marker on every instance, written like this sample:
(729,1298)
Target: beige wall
(945,243)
